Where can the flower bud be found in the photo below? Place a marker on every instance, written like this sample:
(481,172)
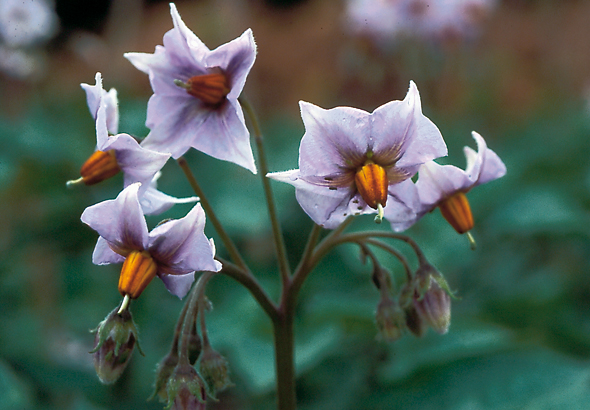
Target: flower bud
(164,370)
(390,319)
(115,340)
(432,300)
(213,368)
(186,389)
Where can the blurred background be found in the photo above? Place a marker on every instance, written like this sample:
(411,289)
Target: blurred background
(516,71)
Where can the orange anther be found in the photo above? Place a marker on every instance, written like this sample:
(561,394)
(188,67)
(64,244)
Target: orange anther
(100,166)
(457,212)
(371,182)
(137,272)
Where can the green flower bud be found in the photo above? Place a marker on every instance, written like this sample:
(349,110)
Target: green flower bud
(116,337)
(432,298)
(163,372)
(186,389)
(213,368)
(390,319)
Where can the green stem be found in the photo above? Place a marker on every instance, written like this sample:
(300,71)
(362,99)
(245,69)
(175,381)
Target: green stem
(284,359)
(227,241)
(395,253)
(263,170)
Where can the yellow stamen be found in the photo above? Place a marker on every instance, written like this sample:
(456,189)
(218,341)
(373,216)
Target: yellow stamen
(457,212)
(100,166)
(209,88)
(137,272)
(371,182)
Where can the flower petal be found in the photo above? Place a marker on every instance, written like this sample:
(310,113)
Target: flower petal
(154,202)
(119,221)
(137,163)
(436,182)
(104,255)
(180,246)
(403,203)
(236,58)
(178,285)
(403,120)
(331,138)
(325,206)
(492,166)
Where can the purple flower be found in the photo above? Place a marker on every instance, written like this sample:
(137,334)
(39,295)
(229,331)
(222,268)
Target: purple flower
(121,152)
(195,101)
(353,162)
(445,185)
(173,250)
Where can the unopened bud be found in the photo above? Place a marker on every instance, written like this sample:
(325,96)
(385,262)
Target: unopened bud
(186,389)
(164,370)
(116,337)
(432,298)
(213,368)
(435,308)
(390,319)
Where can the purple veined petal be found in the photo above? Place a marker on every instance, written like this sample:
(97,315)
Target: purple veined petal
(154,202)
(181,245)
(175,132)
(97,96)
(182,42)
(93,95)
(224,136)
(423,141)
(236,58)
(325,206)
(174,103)
(112,107)
(141,61)
(492,166)
(331,138)
(403,205)
(436,182)
(178,285)
(104,255)
(475,159)
(137,163)
(119,221)
(102,133)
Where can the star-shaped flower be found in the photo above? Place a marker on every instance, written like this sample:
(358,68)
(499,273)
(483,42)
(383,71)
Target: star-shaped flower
(355,162)
(195,101)
(173,250)
(445,186)
(121,152)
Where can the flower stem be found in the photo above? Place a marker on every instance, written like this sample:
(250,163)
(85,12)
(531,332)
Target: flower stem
(227,241)
(263,168)
(191,316)
(285,359)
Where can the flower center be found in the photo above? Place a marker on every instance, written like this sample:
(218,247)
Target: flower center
(371,182)
(457,212)
(137,272)
(100,166)
(209,88)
